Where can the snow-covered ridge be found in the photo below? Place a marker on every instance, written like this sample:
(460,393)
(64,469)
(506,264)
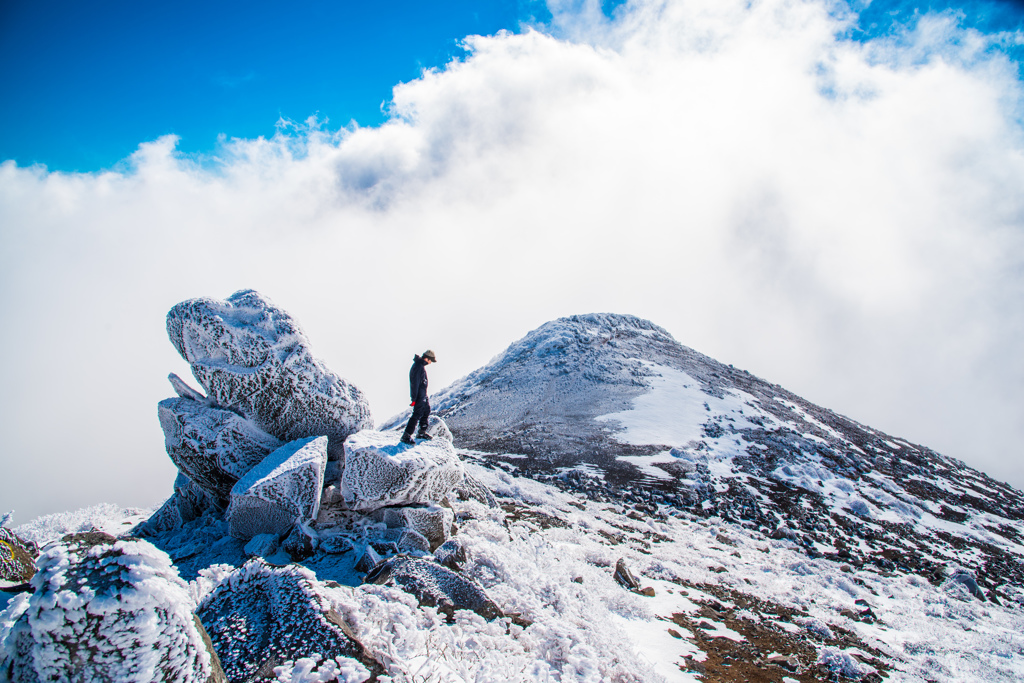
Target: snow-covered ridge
(607,505)
(613,406)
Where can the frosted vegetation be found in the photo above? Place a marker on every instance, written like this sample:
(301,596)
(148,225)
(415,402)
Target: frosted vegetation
(607,505)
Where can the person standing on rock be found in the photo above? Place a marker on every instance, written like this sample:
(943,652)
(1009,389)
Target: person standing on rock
(418,393)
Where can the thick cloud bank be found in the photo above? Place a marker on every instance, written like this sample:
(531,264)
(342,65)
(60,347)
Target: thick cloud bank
(844,218)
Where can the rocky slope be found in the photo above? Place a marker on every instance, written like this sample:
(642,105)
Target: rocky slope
(607,505)
(613,407)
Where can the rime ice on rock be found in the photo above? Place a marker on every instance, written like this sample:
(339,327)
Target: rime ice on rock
(212,446)
(252,357)
(281,490)
(107,610)
(186,503)
(432,521)
(260,617)
(434,586)
(380,471)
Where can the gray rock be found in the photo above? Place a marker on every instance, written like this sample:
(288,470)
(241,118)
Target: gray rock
(380,471)
(212,446)
(17,559)
(434,586)
(625,577)
(432,521)
(368,560)
(261,616)
(472,489)
(401,539)
(451,554)
(962,577)
(281,490)
(91,632)
(252,357)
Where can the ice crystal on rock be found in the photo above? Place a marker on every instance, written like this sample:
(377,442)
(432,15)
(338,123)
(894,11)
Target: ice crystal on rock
(281,490)
(212,446)
(434,586)
(380,471)
(432,521)
(260,617)
(252,357)
(106,610)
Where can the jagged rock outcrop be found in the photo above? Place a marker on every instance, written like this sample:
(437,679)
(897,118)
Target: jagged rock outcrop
(281,490)
(380,471)
(260,617)
(107,610)
(434,585)
(212,446)
(252,357)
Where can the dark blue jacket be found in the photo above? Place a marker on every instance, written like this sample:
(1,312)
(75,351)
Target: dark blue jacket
(418,380)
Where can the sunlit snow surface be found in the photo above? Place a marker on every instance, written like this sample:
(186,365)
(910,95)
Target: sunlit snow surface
(552,559)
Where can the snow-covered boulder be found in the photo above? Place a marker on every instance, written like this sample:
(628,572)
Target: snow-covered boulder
(281,490)
(212,446)
(107,610)
(259,617)
(434,586)
(253,357)
(432,521)
(380,471)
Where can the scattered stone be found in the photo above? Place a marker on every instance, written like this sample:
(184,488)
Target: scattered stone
(212,446)
(648,591)
(281,490)
(451,554)
(17,560)
(578,579)
(432,521)
(370,559)
(963,578)
(260,617)
(674,633)
(298,543)
(624,576)
(380,471)
(262,545)
(252,357)
(335,545)
(84,622)
(404,540)
(434,586)
(472,489)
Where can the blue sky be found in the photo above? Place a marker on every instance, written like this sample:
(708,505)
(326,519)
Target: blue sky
(85,83)
(832,202)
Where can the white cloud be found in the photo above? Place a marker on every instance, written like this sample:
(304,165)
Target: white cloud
(844,219)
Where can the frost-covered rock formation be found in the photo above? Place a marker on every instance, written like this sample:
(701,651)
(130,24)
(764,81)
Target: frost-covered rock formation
(434,522)
(106,610)
(252,357)
(260,617)
(434,585)
(380,471)
(612,406)
(214,447)
(282,490)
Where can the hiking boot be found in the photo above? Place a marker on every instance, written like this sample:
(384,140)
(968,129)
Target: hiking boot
(423,436)
(408,439)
